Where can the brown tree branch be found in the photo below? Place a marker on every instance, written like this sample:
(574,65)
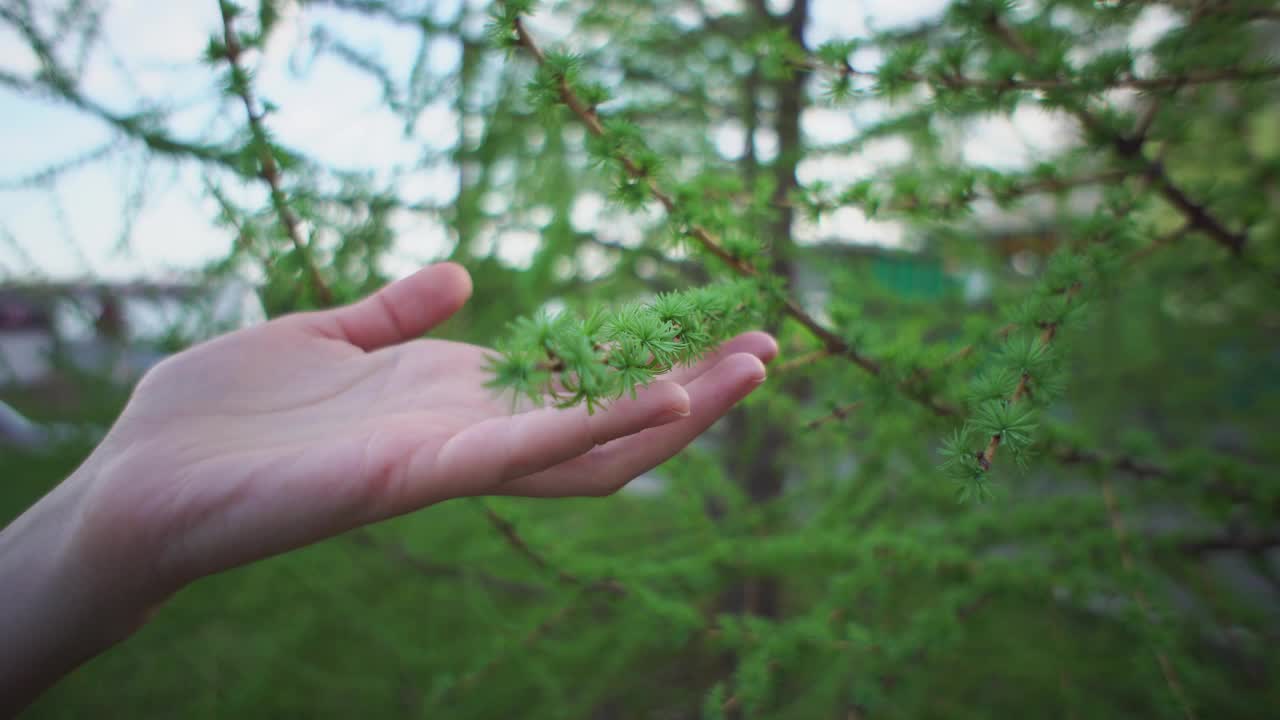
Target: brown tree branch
(400,555)
(1131,149)
(1241,543)
(1120,532)
(1140,469)
(839,413)
(270,170)
(1203,8)
(912,203)
(1123,81)
(513,538)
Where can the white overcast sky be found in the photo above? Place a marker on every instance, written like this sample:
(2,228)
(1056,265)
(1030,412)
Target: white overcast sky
(151,49)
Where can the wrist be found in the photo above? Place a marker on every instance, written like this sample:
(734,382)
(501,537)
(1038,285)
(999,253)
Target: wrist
(58,606)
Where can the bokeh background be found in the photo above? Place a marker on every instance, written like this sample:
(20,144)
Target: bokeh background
(803,560)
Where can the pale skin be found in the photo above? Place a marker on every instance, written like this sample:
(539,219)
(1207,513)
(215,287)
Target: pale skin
(284,434)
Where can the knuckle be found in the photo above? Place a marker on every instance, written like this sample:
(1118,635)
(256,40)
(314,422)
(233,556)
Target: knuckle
(518,455)
(595,428)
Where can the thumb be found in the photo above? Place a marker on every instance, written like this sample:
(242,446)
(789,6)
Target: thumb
(398,312)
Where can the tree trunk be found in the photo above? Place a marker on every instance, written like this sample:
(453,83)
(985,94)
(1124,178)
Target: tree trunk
(762,439)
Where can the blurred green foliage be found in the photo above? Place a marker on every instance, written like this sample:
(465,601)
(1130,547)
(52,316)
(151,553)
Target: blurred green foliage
(1095,330)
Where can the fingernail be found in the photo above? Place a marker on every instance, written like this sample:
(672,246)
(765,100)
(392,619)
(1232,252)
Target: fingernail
(671,415)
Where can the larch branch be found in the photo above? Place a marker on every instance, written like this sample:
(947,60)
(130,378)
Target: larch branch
(830,340)
(1131,149)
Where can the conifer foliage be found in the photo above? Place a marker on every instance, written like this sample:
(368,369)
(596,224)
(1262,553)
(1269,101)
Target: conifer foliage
(1017,455)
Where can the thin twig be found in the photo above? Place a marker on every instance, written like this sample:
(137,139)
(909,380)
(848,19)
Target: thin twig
(1121,534)
(400,555)
(839,413)
(802,360)
(1024,386)
(54,82)
(1160,243)
(515,540)
(963,353)
(1241,543)
(1140,469)
(513,537)
(532,636)
(1142,128)
(270,173)
(964,200)
(1132,82)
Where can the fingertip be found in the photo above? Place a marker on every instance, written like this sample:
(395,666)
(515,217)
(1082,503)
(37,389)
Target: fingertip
(769,347)
(669,400)
(745,367)
(757,343)
(455,277)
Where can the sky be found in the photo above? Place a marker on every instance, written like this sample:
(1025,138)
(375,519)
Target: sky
(95,222)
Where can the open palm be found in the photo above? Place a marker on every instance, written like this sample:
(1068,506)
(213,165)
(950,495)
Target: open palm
(286,433)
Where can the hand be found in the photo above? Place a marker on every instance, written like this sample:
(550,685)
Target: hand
(284,434)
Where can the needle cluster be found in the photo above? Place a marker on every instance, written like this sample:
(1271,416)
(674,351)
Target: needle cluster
(590,359)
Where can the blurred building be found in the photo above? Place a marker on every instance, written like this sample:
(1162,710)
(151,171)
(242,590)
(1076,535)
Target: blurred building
(113,329)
